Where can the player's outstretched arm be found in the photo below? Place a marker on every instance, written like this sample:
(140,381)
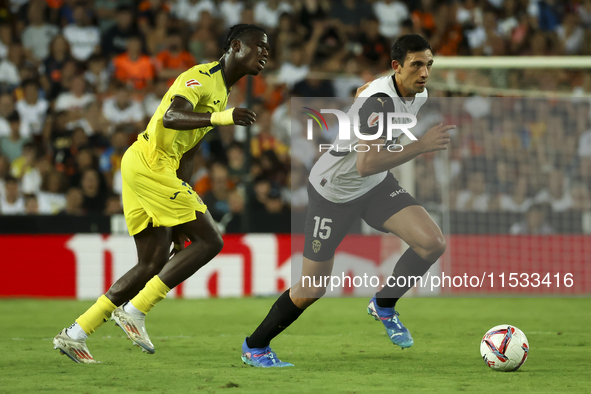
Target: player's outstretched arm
(180,116)
(377,160)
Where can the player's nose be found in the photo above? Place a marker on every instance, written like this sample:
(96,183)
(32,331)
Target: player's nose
(425,72)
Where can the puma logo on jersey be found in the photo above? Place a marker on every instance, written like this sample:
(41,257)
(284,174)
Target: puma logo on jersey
(216,102)
(175,194)
(192,83)
(204,73)
(381,101)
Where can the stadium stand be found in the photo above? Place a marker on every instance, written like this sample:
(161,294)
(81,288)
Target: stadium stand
(80,79)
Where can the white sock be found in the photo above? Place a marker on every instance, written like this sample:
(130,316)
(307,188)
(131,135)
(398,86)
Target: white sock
(76,332)
(129,308)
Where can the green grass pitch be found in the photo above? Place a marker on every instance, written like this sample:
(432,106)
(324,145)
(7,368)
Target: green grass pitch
(335,347)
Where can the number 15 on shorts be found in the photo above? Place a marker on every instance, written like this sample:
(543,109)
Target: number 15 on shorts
(321,227)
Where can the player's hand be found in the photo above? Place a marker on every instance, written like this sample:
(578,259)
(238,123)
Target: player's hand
(361,89)
(243,117)
(436,138)
(178,240)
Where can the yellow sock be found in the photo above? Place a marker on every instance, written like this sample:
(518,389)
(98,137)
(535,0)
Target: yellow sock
(154,292)
(96,315)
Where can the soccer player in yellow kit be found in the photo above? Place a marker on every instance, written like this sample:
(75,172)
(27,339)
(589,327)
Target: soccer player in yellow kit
(160,206)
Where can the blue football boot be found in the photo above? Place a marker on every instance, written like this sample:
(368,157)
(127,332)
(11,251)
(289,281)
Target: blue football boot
(398,334)
(261,357)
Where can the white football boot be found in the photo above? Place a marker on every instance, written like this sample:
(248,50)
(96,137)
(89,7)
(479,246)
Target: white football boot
(75,349)
(134,327)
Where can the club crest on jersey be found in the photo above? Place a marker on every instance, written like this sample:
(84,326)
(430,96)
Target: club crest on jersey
(191,83)
(373,119)
(316,245)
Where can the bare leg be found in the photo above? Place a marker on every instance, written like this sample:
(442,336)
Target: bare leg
(304,294)
(289,307)
(424,236)
(206,243)
(426,243)
(153,245)
(156,280)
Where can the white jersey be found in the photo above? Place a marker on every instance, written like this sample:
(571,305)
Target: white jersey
(335,176)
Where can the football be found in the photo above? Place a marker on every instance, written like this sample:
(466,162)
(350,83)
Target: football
(504,348)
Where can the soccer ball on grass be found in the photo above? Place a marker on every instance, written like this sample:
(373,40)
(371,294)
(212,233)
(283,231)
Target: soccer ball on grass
(504,348)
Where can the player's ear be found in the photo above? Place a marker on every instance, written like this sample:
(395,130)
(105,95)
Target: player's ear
(236,45)
(396,65)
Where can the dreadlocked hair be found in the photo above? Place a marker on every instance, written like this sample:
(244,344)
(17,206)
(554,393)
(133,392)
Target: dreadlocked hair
(237,30)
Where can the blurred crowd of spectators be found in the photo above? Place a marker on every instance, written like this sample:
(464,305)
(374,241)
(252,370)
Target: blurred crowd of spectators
(512,159)
(530,156)
(79,79)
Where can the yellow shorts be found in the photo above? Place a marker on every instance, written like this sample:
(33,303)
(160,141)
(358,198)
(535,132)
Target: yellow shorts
(154,197)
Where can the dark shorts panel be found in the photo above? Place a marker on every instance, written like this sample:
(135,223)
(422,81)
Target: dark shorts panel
(327,223)
(386,199)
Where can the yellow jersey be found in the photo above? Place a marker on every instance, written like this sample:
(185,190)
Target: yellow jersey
(204,86)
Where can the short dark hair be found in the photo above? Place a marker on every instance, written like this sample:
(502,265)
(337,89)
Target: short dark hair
(112,195)
(235,144)
(124,8)
(540,207)
(13,117)
(408,43)
(407,23)
(96,57)
(173,31)
(135,36)
(237,30)
(30,146)
(30,196)
(30,81)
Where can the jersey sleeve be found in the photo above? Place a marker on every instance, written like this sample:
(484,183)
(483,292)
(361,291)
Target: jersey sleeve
(369,113)
(189,88)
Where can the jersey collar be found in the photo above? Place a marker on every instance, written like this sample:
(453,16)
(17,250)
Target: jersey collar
(218,67)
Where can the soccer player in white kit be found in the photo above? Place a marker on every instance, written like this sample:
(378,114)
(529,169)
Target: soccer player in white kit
(345,185)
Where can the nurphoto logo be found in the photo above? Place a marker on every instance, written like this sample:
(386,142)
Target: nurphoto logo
(375,119)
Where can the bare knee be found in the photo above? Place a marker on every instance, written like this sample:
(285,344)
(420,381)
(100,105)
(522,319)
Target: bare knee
(307,291)
(217,243)
(149,270)
(133,281)
(212,242)
(304,297)
(438,245)
(153,269)
(432,248)
(315,292)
